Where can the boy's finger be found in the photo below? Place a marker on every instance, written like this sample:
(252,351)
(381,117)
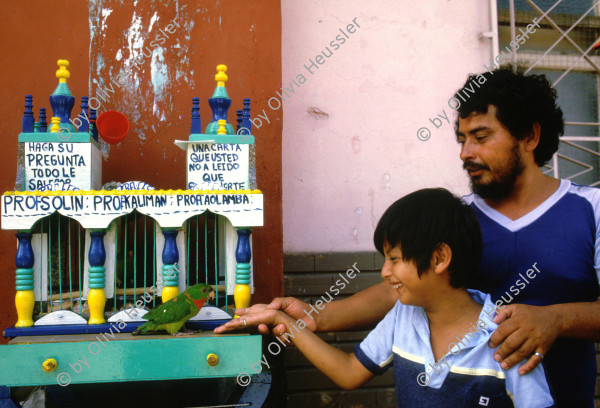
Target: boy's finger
(279,329)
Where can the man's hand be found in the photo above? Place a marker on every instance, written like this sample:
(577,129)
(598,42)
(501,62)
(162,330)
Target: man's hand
(256,316)
(524,330)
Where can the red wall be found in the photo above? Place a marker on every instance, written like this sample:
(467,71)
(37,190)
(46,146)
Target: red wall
(245,36)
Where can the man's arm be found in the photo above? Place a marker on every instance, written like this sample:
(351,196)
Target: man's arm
(342,368)
(363,310)
(525,330)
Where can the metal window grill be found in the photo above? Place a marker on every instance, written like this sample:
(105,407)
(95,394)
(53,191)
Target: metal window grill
(565,50)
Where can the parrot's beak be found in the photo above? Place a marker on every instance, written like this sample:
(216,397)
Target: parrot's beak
(211,295)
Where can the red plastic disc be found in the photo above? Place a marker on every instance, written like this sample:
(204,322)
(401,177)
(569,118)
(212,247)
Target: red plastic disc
(112,126)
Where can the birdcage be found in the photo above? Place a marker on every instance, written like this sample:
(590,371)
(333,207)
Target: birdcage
(92,260)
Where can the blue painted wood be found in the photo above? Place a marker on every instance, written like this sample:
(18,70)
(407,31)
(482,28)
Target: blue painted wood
(28,119)
(98,328)
(24,257)
(93,128)
(220,108)
(83,116)
(240,116)
(5,399)
(129,358)
(24,260)
(242,251)
(97,254)
(196,126)
(170,254)
(242,256)
(62,105)
(247,123)
(43,124)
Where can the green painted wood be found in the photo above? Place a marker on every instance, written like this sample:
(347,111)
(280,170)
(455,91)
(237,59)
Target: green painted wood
(58,137)
(197,137)
(127,358)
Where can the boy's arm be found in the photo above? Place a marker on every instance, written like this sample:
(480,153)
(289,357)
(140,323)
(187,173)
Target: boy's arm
(342,368)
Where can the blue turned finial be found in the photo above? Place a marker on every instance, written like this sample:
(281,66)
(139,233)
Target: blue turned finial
(24,258)
(97,254)
(61,100)
(170,253)
(196,125)
(96,277)
(93,128)
(24,261)
(242,257)
(242,251)
(43,125)
(28,120)
(83,117)
(247,123)
(170,257)
(240,114)
(220,103)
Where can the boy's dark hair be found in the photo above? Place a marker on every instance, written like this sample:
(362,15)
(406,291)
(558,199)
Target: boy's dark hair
(520,100)
(420,221)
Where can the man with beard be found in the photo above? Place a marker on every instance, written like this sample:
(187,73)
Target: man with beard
(508,128)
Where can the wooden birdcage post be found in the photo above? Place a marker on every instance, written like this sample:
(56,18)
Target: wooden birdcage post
(243,255)
(24,300)
(97,281)
(170,271)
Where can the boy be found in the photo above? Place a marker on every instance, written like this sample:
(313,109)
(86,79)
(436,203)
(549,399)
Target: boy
(437,334)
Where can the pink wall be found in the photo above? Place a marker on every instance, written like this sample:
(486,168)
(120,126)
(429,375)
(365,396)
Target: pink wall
(341,170)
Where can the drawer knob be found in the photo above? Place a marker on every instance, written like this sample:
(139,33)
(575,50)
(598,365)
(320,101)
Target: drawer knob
(212,359)
(49,365)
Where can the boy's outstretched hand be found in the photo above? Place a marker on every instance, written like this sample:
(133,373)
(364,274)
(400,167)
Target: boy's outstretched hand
(262,317)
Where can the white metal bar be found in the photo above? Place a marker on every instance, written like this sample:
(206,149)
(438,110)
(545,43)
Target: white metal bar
(555,165)
(513,34)
(494,27)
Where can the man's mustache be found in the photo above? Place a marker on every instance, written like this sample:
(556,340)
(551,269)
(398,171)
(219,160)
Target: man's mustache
(470,165)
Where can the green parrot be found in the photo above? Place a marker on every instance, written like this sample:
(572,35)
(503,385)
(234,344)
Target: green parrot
(172,315)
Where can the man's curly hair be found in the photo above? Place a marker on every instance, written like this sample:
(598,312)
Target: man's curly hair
(521,100)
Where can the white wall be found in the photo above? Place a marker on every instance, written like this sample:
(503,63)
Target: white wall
(394,73)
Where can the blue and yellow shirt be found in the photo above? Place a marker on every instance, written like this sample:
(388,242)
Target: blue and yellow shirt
(467,376)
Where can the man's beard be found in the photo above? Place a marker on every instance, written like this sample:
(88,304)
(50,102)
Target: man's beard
(503,179)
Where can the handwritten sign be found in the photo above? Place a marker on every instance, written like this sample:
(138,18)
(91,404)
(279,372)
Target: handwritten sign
(47,163)
(21,211)
(217,166)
